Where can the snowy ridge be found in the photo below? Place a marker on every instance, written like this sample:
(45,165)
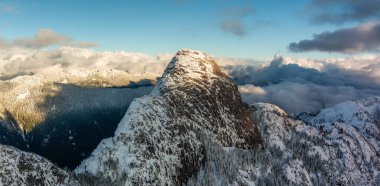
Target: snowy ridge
(22,168)
(161,139)
(361,114)
(338,146)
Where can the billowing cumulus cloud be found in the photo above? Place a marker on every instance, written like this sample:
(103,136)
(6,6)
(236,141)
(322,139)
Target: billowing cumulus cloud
(299,85)
(365,37)
(44,38)
(330,74)
(297,97)
(341,11)
(303,97)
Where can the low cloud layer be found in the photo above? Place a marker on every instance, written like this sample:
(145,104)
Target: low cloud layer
(365,37)
(303,97)
(26,61)
(44,38)
(18,61)
(341,11)
(333,72)
(295,84)
(299,85)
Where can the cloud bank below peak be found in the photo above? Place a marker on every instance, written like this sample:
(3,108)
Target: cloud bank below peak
(22,61)
(299,85)
(295,84)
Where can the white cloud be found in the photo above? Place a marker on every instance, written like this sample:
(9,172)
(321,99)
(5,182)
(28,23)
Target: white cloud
(365,67)
(295,84)
(19,61)
(300,84)
(301,97)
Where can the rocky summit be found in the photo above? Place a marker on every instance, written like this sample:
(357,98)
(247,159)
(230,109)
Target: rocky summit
(161,139)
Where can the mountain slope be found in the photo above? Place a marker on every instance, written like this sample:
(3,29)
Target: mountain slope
(337,146)
(62,122)
(161,139)
(21,168)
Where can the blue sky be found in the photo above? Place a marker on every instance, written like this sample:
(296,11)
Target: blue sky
(165,26)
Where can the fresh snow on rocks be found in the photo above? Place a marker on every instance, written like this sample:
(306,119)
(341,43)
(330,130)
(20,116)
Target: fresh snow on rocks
(337,146)
(22,168)
(162,137)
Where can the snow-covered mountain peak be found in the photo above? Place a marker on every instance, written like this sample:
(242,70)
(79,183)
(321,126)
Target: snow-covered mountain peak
(163,137)
(189,67)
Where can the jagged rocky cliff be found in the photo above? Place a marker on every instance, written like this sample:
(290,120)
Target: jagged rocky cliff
(161,139)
